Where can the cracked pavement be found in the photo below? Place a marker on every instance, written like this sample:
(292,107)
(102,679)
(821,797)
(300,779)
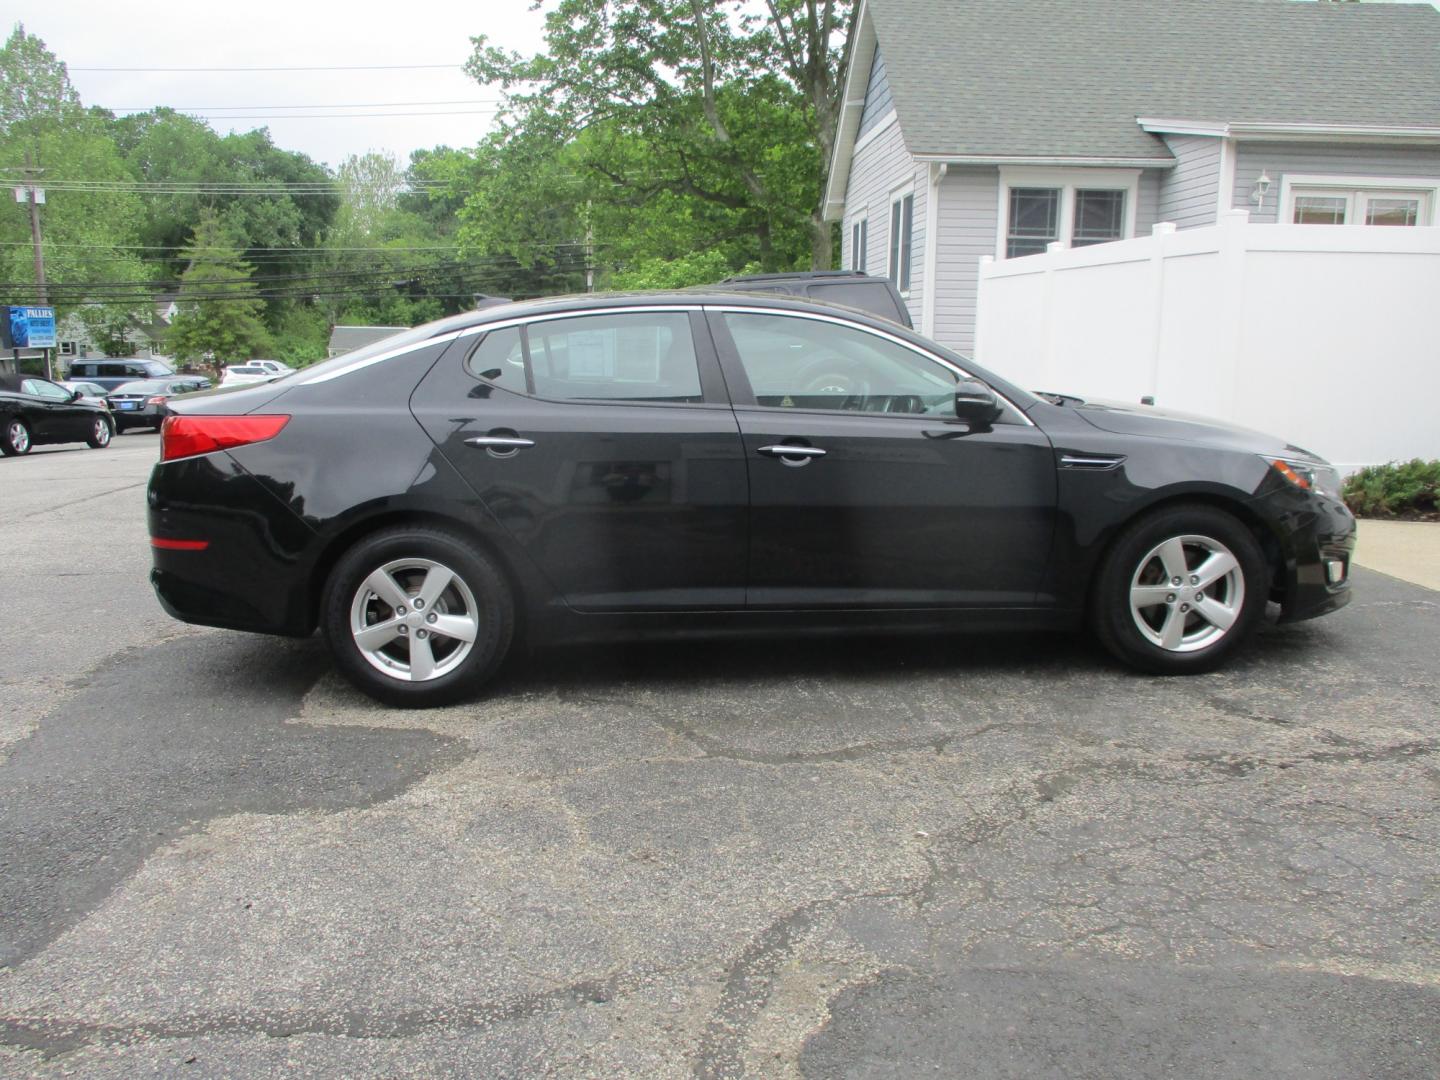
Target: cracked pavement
(1001,856)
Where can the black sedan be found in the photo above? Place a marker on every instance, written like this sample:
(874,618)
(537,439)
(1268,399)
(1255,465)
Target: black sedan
(34,411)
(145,402)
(605,467)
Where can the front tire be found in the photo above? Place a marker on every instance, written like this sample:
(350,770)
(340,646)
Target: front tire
(15,439)
(417,617)
(100,434)
(1180,591)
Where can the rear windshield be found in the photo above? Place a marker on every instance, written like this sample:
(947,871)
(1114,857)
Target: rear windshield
(147,386)
(873,297)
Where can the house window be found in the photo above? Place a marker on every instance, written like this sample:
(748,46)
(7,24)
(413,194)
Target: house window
(1099,217)
(1039,206)
(859,241)
(68,348)
(902,220)
(1338,200)
(1034,220)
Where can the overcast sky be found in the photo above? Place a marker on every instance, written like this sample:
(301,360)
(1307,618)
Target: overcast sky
(308,33)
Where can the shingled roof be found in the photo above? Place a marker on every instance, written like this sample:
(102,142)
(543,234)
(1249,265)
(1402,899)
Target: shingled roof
(1069,79)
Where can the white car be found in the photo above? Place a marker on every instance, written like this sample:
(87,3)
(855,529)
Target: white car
(271,365)
(240,374)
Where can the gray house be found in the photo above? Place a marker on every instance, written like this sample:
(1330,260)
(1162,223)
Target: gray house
(991,127)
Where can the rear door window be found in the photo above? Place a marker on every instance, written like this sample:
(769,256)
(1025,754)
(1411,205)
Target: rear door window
(629,356)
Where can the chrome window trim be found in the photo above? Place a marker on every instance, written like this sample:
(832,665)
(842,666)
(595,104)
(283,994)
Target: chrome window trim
(817,317)
(486,327)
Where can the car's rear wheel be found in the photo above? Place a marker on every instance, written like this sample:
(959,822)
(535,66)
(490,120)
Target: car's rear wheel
(16,437)
(100,433)
(417,617)
(1180,590)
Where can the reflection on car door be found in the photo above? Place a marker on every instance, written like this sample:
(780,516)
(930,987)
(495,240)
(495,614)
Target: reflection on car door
(885,499)
(603,442)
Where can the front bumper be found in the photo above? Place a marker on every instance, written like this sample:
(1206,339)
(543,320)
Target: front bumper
(1318,544)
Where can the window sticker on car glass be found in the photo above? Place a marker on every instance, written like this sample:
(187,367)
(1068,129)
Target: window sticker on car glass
(592,354)
(786,403)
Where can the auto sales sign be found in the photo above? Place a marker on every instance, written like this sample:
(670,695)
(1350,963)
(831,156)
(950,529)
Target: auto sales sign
(28,328)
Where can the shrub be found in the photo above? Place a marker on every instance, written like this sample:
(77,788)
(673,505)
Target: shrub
(1399,489)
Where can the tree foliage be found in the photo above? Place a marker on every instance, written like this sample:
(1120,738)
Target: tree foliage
(219,320)
(688,125)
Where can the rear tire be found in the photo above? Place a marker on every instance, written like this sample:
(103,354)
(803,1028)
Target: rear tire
(1180,590)
(15,439)
(457,624)
(100,434)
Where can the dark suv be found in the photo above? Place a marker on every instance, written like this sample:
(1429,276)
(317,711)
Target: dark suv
(853,288)
(112,373)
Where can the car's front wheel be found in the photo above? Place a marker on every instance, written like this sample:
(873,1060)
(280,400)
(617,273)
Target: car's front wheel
(15,439)
(1180,590)
(416,617)
(100,433)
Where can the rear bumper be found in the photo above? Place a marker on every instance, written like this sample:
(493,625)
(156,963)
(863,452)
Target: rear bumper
(252,574)
(1321,545)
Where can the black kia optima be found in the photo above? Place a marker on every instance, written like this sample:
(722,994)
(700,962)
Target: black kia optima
(604,467)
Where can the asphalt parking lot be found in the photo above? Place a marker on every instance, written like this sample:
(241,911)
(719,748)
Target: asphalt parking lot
(979,857)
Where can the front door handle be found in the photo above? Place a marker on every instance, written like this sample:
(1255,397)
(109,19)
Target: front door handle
(792,455)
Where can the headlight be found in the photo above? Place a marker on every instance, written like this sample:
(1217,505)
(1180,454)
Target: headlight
(1306,475)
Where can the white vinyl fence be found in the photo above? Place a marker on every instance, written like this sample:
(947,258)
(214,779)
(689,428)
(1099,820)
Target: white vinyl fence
(1327,335)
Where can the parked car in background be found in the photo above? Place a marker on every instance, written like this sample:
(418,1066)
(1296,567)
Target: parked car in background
(274,366)
(664,463)
(240,374)
(34,411)
(111,373)
(852,288)
(89,391)
(145,403)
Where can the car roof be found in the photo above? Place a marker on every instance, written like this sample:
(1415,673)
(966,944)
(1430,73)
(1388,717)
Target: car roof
(804,275)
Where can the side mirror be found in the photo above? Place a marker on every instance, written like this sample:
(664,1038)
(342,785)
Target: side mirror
(76,395)
(975,402)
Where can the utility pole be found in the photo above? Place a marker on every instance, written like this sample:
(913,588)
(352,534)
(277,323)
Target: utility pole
(35,196)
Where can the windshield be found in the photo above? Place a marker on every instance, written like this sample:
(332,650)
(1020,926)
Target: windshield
(146,386)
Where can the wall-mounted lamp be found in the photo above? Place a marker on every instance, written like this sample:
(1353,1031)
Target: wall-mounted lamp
(1262,186)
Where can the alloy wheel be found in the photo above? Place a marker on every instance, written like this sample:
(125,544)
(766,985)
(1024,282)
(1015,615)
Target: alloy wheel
(414,619)
(1187,593)
(102,432)
(19,437)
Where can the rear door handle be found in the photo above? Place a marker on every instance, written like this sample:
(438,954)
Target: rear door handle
(500,445)
(783,452)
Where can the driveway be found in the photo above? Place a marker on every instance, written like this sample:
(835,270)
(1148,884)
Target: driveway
(995,857)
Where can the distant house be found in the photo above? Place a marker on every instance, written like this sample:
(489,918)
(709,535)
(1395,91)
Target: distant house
(997,128)
(345,339)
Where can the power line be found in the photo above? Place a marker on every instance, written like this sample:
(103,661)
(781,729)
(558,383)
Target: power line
(342,67)
(350,116)
(257,108)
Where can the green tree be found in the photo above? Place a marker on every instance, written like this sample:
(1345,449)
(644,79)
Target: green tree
(219,317)
(46,132)
(685,104)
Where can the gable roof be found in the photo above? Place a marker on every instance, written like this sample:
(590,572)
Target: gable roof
(1066,79)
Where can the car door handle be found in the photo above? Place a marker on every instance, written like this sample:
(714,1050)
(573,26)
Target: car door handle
(791,451)
(500,442)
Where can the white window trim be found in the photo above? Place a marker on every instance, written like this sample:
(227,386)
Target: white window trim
(1349,185)
(907,188)
(1068,180)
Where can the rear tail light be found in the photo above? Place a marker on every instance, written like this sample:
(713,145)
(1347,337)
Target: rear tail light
(187,436)
(155,401)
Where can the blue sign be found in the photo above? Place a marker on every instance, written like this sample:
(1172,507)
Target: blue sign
(31,328)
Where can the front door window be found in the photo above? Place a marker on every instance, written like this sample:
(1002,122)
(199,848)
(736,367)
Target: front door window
(797,363)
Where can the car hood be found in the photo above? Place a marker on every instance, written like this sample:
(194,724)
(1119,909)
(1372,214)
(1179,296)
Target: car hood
(1123,418)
